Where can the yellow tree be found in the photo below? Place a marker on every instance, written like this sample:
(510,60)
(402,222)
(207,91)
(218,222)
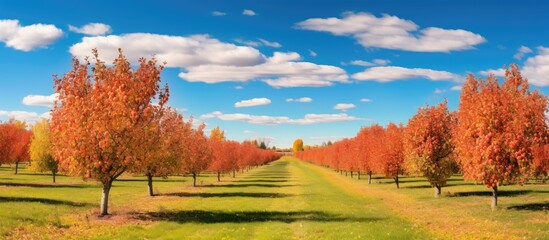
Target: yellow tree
(40,149)
(217,133)
(298,145)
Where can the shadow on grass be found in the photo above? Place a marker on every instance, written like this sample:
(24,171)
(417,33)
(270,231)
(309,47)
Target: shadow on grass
(250,185)
(417,186)
(229,194)
(544,206)
(154,180)
(41,185)
(262,180)
(507,193)
(200,216)
(45,201)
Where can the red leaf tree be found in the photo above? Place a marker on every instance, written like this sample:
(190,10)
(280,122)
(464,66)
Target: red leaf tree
(98,122)
(14,142)
(428,144)
(499,126)
(196,147)
(393,152)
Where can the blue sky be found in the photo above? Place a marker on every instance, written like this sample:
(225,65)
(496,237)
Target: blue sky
(279,70)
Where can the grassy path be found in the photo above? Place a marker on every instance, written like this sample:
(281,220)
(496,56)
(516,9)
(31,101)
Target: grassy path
(285,200)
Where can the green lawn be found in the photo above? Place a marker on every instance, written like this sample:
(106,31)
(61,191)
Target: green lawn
(287,199)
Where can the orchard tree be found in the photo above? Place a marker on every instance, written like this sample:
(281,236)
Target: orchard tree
(99,120)
(499,127)
(41,149)
(198,154)
(14,142)
(393,152)
(217,133)
(428,144)
(298,145)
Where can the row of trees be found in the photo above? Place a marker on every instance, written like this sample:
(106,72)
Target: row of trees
(111,120)
(498,136)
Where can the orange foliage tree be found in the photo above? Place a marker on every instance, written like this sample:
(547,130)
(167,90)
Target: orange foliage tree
(428,144)
(14,142)
(198,153)
(392,152)
(499,126)
(99,121)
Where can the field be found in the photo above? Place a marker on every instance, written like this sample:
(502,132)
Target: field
(286,199)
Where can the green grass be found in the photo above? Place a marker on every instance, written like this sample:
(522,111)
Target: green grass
(287,199)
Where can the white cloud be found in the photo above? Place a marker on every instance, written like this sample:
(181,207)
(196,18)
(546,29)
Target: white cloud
(391,73)
(26,38)
(248,132)
(280,70)
(439,91)
(391,32)
(253,102)
(40,100)
(176,51)
(248,12)
(270,44)
(277,120)
(218,13)
(500,72)
(210,115)
(366,100)
(521,52)
(381,62)
(375,62)
(93,29)
(536,68)
(312,53)
(362,63)
(301,100)
(456,88)
(344,106)
(238,87)
(29,117)
(260,42)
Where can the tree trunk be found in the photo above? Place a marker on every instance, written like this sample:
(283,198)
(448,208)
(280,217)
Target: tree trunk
(194,179)
(437,190)
(219,176)
(351,174)
(369,177)
(396,181)
(16,167)
(53,173)
(105,198)
(358,175)
(494,197)
(150,184)
(345,173)
(234,173)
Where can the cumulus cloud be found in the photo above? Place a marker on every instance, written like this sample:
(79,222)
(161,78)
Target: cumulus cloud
(536,68)
(253,102)
(391,73)
(392,32)
(248,12)
(301,100)
(26,38)
(523,50)
(500,72)
(280,70)
(40,100)
(93,29)
(456,88)
(29,117)
(176,51)
(344,106)
(218,13)
(277,120)
(366,100)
